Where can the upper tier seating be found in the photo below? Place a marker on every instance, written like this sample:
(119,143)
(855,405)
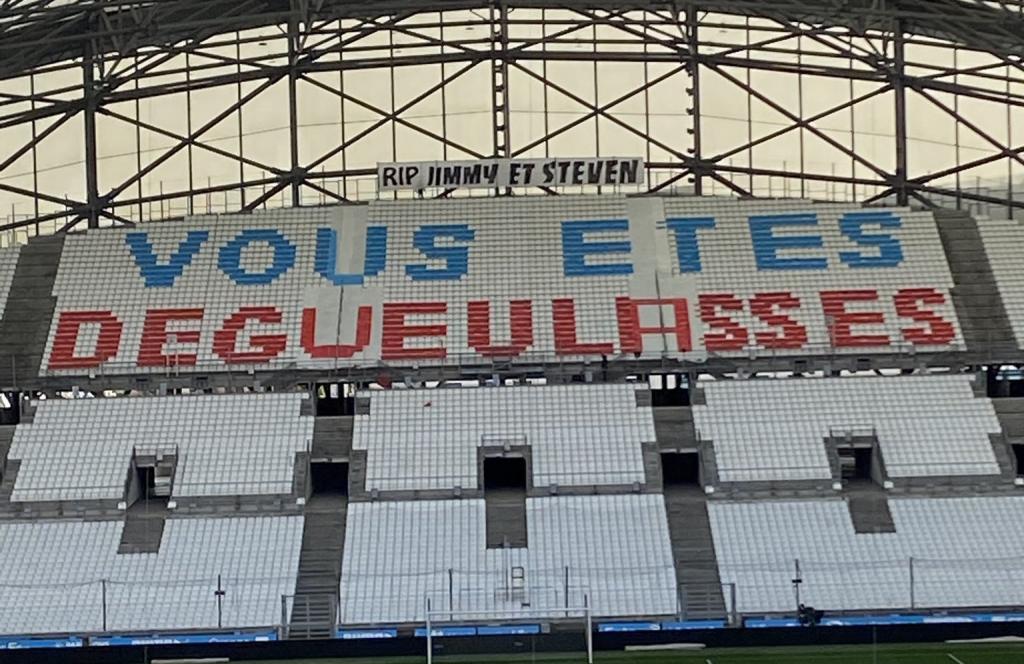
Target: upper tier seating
(964,554)
(766,430)
(398,554)
(257,559)
(577,434)
(1003,240)
(227,444)
(474,279)
(8,264)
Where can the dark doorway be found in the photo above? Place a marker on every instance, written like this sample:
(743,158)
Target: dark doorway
(680,469)
(146,476)
(855,463)
(504,473)
(10,408)
(329,478)
(334,399)
(668,390)
(1018,457)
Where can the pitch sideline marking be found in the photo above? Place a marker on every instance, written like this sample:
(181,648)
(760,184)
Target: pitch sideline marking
(954,658)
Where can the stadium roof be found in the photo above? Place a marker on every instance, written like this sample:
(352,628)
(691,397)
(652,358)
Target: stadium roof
(34,33)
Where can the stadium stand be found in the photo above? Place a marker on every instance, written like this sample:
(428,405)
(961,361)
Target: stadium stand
(77,449)
(614,549)
(643,501)
(452,281)
(769,430)
(945,552)
(576,435)
(79,573)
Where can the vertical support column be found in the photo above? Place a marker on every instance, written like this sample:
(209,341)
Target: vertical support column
(293,105)
(92,215)
(898,76)
(693,48)
(499,78)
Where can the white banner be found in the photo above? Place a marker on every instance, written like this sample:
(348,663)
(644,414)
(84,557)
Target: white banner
(500,173)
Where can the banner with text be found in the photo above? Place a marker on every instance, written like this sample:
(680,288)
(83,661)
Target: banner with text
(500,173)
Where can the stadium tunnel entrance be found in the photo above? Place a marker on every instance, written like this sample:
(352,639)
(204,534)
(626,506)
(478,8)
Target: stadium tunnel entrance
(680,469)
(505,473)
(855,463)
(329,478)
(335,399)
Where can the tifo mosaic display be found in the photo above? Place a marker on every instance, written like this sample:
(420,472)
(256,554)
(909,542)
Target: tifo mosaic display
(417,282)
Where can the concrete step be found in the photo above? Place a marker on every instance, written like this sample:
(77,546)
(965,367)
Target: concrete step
(506,518)
(143,529)
(673,427)
(314,607)
(29,311)
(979,308)
(869,511)
(693,551)
(332,437)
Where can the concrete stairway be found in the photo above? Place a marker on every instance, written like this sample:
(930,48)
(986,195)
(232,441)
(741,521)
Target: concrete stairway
(29,311)
(693,551)
(673,426)
(314,608)
(332,438)
(506,518)
(1010,412)
(978,305)
(869,508)
(143,528)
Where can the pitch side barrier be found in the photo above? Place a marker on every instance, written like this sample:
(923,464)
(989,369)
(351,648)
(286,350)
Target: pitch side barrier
(501,638)
(545,279)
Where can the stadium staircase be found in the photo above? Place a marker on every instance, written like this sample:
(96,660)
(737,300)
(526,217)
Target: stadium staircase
(869,508)
(29,310)
(1010,412)
(315,605)
(693,550)
(979,308)
(8,468)
(143,529)
(506,518)
(332,438)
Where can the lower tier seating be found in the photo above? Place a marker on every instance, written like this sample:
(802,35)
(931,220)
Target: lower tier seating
(615,550)
(577,434)
(236,444)
(770,430)
(945,553)
(256,558)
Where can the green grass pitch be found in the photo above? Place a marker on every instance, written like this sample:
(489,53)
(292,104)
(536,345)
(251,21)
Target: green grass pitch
(884,654)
